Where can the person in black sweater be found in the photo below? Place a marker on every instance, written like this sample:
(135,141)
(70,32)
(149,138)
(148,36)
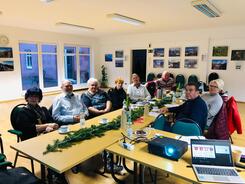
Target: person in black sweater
(32,119)
(194,108)
(117,94)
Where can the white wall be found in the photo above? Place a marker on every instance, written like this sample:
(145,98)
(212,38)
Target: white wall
(205,39)
(10,82)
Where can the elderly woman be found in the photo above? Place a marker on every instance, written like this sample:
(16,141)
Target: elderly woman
(213,99)
(137,91)
(96,100)
(117,94)
(34,119)
(166,82)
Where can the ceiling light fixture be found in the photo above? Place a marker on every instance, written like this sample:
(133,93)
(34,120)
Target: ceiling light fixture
(64,24)
(46,1)
(125,19)
(206,8)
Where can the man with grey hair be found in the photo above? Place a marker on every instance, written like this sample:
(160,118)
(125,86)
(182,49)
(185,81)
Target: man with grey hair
(68,106)
(96,100)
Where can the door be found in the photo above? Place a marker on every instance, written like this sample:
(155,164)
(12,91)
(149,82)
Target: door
(139,63)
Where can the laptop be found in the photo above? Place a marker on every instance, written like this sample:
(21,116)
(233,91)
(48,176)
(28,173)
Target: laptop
(212,161)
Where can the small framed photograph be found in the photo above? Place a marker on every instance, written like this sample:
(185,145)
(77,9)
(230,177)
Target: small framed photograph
(238,55)
(174,52)
(6,52)
(6,66)
(190,63)
(158,63)
(219,64)
(119,53)
(158,52)
(191,51)
(220,51)
(108,57)
(174,63)
(119,63)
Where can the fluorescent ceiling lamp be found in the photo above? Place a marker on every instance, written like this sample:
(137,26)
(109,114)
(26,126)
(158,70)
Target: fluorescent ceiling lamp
(125,19)
(206,8)
(46,1)
(64,24)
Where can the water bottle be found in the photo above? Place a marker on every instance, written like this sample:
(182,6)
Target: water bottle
(146,109)
(129,129)
(82,119)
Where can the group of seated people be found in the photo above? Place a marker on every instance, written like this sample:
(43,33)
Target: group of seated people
(67,107)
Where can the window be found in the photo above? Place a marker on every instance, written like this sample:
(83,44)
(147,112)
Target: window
(29,65)
(84,61)
(70,64)
(49,64)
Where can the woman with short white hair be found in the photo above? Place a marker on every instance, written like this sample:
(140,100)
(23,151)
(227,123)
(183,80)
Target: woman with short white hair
(96,100)
(213,99)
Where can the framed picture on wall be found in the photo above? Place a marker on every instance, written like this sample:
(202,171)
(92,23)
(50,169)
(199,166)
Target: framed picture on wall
(6,66)
(190,63)
(6,52)
(191,51)
(220,51)
(119,54)
(174,52)
(158,52)
(158,63)
(119,63)
(108,57)
(174,63)
(238,55)
(219,64)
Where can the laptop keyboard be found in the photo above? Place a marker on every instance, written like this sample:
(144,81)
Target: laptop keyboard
(216,171)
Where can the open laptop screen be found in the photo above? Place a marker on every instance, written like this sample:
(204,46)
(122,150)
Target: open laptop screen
(211,152)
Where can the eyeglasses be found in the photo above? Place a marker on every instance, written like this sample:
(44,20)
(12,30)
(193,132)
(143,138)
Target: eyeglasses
(213,86)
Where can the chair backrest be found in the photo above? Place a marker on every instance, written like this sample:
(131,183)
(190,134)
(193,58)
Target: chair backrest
(180,80)
(159,122)
(151,87)
(193,79)
(186,127)
(213,76)
(171,75)
(14,114)
(1,144)
(150,77)
(159,75)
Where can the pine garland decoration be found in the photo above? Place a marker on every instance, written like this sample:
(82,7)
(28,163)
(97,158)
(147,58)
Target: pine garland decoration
(88,133)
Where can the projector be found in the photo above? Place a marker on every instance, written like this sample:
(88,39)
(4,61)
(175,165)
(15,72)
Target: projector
(168,148)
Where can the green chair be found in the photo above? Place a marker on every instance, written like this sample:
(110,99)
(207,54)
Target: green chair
(186,127)
(193,79)
(17,133)
(159,122)
(180,81)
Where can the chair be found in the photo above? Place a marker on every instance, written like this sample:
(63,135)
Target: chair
(180,81)
(159,122)
(186,127)
(150,77)
(13,117)
(151,87)
(193,79)
(213,76)
(1,144)
(159,75)
(171,75)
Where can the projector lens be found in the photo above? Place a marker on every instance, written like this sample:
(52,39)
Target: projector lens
(169,151)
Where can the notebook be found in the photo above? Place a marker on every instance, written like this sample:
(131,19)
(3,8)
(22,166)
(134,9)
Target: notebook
(212,161)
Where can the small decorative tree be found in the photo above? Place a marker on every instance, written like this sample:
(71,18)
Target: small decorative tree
(104,78)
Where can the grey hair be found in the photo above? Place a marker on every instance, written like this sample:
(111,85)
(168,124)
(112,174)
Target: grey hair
(64,81)
(92,80)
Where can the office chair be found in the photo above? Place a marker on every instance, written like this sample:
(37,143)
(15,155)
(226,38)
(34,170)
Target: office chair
(159,122)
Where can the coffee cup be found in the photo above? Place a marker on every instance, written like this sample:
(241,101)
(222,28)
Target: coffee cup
(63,128)
(236,154)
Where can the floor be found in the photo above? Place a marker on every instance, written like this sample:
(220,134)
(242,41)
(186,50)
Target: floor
(85,176)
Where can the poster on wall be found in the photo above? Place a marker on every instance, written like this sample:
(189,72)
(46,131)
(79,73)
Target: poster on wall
(190,63)
(238,55)
(219,64)
(158,52)
(119,63)
(191,51)
(6,66)
(119,54)
(108,57)
(158,63)
(174,63)
(6,52)
(174,52)
(220,51)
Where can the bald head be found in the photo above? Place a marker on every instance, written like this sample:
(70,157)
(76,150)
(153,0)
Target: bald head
(165,75)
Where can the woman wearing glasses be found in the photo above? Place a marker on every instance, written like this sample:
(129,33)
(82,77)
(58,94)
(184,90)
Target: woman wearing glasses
(213,99)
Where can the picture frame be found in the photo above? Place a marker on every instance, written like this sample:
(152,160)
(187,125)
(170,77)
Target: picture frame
(219,64)
(174,63)
(158,52)
(6,52)
(220,51)
(119,63)
(238,55)
(174,52)
(158,63)
(6,65)
(190,63)
(108,57)
(119,54)
(191,51)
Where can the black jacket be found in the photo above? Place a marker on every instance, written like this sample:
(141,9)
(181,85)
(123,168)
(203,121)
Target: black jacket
(117,97)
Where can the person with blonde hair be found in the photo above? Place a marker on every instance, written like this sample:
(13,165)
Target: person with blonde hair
(117,94)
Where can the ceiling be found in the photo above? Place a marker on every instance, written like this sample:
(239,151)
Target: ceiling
(159,15)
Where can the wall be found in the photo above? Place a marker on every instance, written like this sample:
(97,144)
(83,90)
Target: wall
(205,39)
(11,81)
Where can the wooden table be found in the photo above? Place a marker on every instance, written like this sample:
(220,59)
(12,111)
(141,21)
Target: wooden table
(70,157)
(141,155)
